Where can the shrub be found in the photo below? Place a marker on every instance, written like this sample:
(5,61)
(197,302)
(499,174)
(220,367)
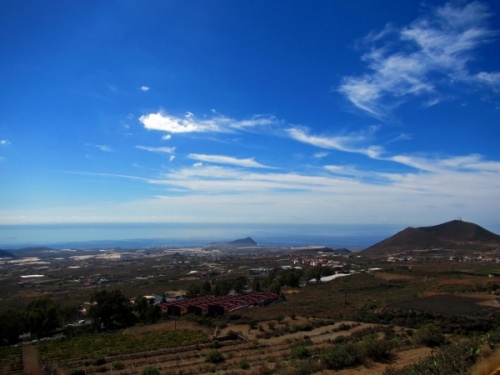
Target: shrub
(99,361)
(429,335)
(118,365)
(216,344)
(214,356)
(374,348)
(78,372)
(244,364)
(340,356)
(454,359)
(150,370)
(304,327)
(299,352)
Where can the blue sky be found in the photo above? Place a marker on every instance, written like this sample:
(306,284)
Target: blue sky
(359,112)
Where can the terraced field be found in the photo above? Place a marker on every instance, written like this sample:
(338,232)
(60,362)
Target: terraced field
(244,349)
(11,360)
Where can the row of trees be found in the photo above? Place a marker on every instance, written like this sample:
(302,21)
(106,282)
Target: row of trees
(217,288)
(42,316)
(275,280)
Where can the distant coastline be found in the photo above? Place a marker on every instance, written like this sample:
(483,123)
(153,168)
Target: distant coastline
(136,235)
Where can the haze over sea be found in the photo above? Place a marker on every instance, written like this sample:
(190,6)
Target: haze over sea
(138,235)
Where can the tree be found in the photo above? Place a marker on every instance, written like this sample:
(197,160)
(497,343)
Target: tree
(110,309)
(140,305)
(151,315)
(275,287)
(11,327)
(193,290)
(314,273)
(239,284)
(256,285)
(146,312)
(206,287)
(222,288)
(42,317)
(291,278)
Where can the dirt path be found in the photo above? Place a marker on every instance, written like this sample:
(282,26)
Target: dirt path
(30,361)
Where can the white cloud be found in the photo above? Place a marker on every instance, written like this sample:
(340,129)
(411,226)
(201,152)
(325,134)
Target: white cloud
(4,142)
(172,124)
(346,143)
(191,124)
(320,155)
(490,79)
(161,150)
(145,88)
(431,191)
(255,121)
(348,170)
(430,54)
(166,137)
(103,148)
(221,159)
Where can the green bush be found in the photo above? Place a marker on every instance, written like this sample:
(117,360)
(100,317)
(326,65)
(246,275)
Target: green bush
(374,348)
(214,356)
(429,335)
(98,361)
(244,364)
(303,326)
(150,370)
(457,358)
(340,356)
(300,352)
(118,365)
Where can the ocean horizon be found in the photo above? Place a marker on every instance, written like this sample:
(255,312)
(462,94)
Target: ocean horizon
(136,235)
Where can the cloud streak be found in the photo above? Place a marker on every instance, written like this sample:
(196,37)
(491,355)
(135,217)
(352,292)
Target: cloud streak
(159,150)
(191,124)
(403,63)
(347,143)
(222,159)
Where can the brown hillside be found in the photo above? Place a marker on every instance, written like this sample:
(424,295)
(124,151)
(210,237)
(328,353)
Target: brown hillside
(458,230)
(454,233)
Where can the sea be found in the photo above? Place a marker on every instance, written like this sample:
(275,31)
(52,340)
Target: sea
(142,235)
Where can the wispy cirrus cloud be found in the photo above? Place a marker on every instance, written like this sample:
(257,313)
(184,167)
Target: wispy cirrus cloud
(191,124)
(222,159)
(358,143)
(354,142)
(160,150)
(421,60)
(490,79)
(103,148)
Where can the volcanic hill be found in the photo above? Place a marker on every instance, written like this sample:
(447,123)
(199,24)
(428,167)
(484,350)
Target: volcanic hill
(455,234)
